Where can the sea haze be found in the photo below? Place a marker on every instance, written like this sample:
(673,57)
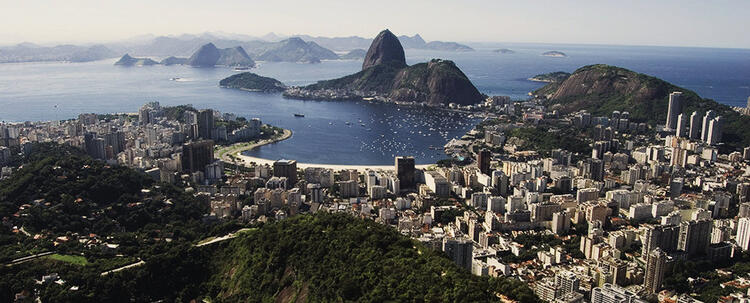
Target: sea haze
(51,91)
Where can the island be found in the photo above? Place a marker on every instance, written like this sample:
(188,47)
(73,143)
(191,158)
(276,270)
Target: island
(172,60)
(556,54)
(127,60)
(550,77)
(296,50)
(504,51)
(356,53)
(252,82)
(386,76)
(208,55)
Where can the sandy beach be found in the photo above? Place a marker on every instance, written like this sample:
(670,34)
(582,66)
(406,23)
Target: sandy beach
(233,154)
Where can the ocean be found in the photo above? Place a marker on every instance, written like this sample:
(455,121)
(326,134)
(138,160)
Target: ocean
(375,132)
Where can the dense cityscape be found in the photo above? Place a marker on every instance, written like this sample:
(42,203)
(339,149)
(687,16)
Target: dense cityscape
(394,151)
(610,220)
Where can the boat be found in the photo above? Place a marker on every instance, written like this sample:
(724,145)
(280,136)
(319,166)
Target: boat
(299,115)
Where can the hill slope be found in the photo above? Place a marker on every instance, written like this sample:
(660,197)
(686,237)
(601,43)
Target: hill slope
(601,89)
(335,257)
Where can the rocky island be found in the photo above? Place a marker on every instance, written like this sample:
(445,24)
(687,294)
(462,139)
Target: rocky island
(252,82)
(172,60)
(554,54)
(504,51)
(127,60)
(296,50)
(209,55)
(386,76)
(357,53)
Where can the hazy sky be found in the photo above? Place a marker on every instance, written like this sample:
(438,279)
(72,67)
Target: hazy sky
(719,23)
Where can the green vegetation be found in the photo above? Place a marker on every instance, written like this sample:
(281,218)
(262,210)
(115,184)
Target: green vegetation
(324,257)
(177,112)
(435,82)
(335,257)
(378,78)
(252,82)
(544,139)
(553,77)
(72,259)
(601,89)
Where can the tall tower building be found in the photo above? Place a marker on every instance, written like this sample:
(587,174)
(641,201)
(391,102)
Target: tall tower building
(655,268)
(196,155)
(288,169)
(743,233)
(660,236)
(483,161)
(205,123)
(674,110)
(405,172)
(695,237)
(714,131)
(459,250)
(710,115)
(682,125)
(695,127)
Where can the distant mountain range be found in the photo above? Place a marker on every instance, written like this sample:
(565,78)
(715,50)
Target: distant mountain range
(271,47)
(27,52)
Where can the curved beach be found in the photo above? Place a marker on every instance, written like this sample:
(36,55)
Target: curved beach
(227,154)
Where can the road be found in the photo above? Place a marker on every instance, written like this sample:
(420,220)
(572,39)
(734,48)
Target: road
(139,263)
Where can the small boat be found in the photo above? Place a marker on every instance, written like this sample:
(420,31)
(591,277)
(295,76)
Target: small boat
(299,115)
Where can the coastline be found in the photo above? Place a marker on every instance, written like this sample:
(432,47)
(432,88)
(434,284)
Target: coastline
(233,154)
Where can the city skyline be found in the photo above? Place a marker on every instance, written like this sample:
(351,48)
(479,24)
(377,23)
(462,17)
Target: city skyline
(667,23)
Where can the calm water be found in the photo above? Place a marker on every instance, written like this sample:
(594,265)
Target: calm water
(30,91)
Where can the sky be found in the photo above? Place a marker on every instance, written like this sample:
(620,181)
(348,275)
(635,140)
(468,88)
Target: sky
(718,23)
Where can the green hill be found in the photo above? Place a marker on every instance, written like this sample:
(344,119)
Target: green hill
(601,89)
(338,258)
(252,82)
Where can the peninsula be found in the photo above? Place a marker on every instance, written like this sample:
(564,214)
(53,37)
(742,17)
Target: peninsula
(386,76)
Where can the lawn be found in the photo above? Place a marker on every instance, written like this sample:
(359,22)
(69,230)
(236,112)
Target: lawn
(78,260)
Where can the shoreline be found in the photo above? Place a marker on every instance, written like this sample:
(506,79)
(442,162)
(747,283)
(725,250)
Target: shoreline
(227,152)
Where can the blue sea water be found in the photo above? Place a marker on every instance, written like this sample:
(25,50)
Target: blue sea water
(50,91)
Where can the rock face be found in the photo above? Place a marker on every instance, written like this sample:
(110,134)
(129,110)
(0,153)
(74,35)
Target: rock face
(385,49)
(127,60)
(235,56)
(385,75)
(206,56)
(435,82)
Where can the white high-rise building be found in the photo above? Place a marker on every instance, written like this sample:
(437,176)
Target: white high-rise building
(743,233)
(682,125)
(714,131)
(695,127)
(710,115)
(675,109)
